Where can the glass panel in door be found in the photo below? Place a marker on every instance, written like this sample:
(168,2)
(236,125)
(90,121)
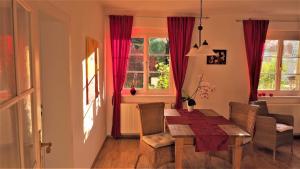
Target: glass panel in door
(26,111)
(7,59)
(23,49)
(9,140)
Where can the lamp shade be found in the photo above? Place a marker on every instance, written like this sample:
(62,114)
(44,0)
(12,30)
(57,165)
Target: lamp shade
(205,49)
(193,51)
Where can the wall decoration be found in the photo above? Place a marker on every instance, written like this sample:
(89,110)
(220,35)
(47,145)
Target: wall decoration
(219,58)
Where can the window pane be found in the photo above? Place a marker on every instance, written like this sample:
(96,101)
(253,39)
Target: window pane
(159,67)
(159,72)
(7,60)
(9,144)
(290,82)
(135,67)
(134,78)
(137,46)
(26,110)
(136,63)
(158,46)
(268,69)
(266,81)
(24,55)
(290,65)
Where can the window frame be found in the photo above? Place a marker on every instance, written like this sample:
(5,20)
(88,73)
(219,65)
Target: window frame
(146,35)
(281,37)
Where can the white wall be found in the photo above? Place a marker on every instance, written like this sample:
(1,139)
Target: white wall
(86,20)
(231,80)
(78,145)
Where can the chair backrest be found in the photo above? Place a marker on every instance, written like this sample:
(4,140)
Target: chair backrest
(151,118)
(263,107)
(243,115)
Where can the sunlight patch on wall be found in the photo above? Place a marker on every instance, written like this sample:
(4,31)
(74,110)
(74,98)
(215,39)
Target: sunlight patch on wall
(88,109)
(88,122)
(91,100)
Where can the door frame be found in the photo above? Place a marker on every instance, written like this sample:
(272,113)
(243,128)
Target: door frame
(32,91)
(40,8)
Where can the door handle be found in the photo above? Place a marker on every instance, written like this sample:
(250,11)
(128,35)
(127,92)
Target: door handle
(48,146)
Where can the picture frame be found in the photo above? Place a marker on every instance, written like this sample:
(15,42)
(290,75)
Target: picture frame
(218,59)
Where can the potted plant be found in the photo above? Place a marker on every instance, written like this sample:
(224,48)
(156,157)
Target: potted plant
(190,103)
(203,89)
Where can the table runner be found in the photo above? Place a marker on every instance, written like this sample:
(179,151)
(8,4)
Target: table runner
(208,135)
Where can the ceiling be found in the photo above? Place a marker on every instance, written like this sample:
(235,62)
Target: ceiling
(242,8)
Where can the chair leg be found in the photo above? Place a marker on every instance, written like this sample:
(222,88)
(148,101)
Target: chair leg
(207,160)
(253,155)
(274,154)
(137,160)
(292,148)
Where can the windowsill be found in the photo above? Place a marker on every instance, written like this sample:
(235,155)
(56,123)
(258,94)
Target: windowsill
(283,97)
(148,98)
(281,100)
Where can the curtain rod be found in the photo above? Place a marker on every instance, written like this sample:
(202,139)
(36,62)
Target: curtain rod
(271,20)
(203,17)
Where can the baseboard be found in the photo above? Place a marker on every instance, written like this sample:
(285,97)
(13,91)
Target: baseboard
(130,136)
(96,158)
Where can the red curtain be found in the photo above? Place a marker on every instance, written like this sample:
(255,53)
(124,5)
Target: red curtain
(120,36)
(255,32)
(180,31)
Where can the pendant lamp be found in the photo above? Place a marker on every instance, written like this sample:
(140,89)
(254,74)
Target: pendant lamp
(202,48)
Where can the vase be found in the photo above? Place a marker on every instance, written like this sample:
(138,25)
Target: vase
(190,108)
(132,91)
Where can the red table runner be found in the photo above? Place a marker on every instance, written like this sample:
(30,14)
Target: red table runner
(208,135)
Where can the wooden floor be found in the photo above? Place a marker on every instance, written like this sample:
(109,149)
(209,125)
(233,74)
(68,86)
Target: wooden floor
(123,154)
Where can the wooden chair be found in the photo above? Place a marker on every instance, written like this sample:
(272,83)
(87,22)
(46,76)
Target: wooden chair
(157,145)
(243,115)
(269,131)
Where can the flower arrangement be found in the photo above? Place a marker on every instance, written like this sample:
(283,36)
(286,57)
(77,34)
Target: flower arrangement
(203,89)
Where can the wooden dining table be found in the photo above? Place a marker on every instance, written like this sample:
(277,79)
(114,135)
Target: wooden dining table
(181,133)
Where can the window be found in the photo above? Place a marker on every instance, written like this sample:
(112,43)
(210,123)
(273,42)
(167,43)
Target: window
(280,66)
(149,64)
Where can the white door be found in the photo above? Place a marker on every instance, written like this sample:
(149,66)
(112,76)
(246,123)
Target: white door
(19,134)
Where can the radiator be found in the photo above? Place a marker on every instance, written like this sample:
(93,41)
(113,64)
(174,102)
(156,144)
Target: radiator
(130,122)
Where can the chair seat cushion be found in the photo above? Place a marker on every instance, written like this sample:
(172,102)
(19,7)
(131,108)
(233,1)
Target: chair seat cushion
(158,140)
(283,127)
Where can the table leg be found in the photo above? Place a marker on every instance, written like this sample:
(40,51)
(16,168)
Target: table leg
(179,142)
(237,153)
(207,160)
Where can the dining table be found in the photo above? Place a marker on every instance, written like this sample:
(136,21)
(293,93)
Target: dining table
(182,132)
